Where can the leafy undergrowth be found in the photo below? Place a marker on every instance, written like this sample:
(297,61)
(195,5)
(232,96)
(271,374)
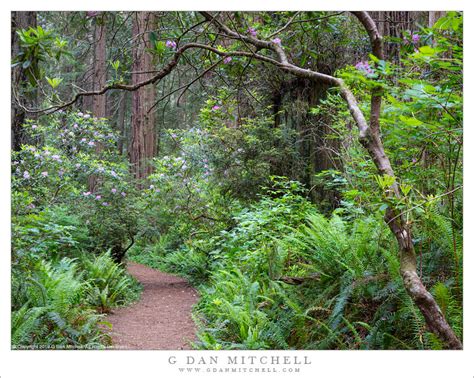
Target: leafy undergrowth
(287,277)
(60,303)
(64,302)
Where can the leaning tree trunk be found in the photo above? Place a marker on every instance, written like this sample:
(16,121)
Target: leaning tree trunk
(370,139)
(20,20)
(143,146)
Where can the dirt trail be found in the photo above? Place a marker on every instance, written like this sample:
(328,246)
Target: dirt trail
(162,317)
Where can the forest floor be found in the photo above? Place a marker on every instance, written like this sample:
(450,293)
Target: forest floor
(161,319)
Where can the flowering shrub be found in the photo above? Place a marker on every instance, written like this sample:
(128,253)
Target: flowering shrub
(208,172)
(75,164)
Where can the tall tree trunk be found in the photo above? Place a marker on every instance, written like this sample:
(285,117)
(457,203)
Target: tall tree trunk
(99,77)
(433,16)
(19,20)
(100,67)
(121,121)
(143,146)
(392,24)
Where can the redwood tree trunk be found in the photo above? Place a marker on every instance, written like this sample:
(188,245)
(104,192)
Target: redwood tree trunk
(433,16)
(99,77)
(392,24)
(100,66)
(121,121)
(143,146)
(20,20)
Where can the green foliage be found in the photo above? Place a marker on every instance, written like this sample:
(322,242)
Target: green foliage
(108,284)
(56,304)
(37,46)
(57,220)
(53,314)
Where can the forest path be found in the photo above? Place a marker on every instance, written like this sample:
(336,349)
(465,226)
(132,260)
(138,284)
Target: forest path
(161,319)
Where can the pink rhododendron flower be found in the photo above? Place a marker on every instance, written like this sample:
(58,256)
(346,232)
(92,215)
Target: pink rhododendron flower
(114,190)
(123,194)
(216,107)
(105,204)
(415,38)
(252,32)
(228,59)
(277,41)
(86,194)
(26,175)
(44,174)
(34,126)
(364,67)
(98,197)
(171,44)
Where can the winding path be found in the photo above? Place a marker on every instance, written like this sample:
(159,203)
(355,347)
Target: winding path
(162,317)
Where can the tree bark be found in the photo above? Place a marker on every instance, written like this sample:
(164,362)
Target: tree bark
(392,24)
(434,16)
(99,78)
(100,66)
(143,145)
(19,20)
(121,121)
